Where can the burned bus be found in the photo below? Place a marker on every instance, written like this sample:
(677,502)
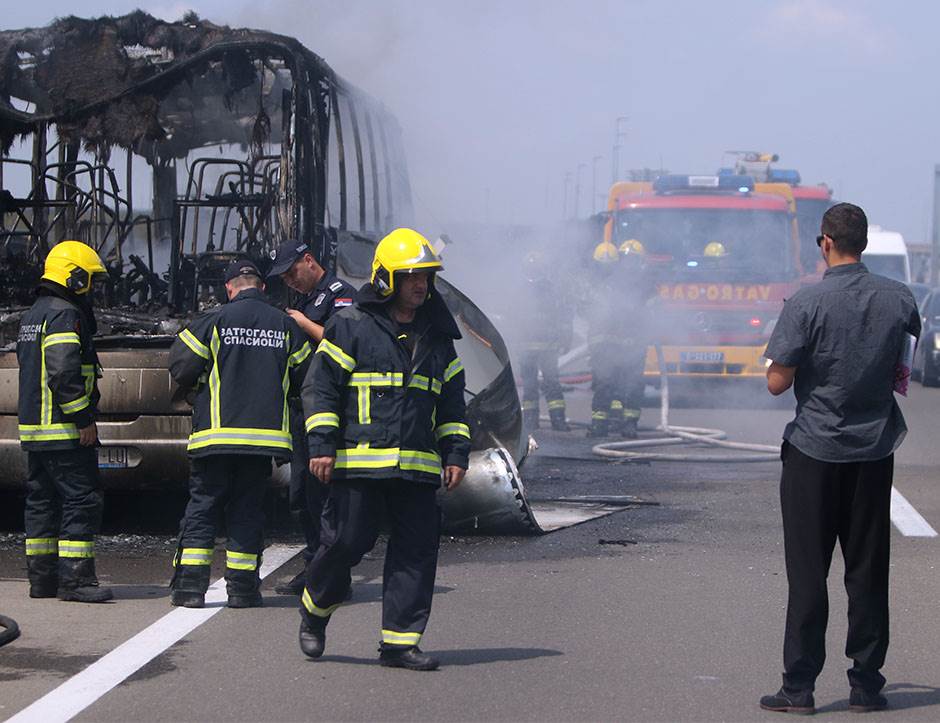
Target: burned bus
(172,148)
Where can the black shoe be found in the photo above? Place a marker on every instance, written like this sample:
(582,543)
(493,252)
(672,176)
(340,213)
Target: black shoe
(85,594)
(295,586)
(312,641)
(800,702)
(185,599)
(251,600)
(861,701)
(597,430)
(410,658)
(43,589)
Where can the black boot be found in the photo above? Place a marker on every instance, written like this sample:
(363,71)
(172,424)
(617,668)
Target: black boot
(530,419)
(79,583)
(557,416)
(615,419)
(409,658)
(629,428)
(312,636)
(43,571)
(243,587)
(189,585)
(598,428)
(294,587)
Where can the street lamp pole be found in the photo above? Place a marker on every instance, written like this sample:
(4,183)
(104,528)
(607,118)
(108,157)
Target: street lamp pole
(594,161)
(620,133)
(577,192)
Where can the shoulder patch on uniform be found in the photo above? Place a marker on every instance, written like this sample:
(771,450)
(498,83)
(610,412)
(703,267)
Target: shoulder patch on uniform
(341,302)
(319,300)
(336,286)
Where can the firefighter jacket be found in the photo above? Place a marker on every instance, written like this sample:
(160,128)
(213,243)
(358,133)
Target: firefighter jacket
(58,389)
(242,358)
(384,407)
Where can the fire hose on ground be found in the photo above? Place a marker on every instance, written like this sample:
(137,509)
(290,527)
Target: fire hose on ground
(9,630)
(674,435)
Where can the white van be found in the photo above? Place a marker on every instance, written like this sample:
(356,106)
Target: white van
(886,254)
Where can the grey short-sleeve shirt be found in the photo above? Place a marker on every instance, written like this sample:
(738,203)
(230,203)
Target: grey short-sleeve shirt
(844,335)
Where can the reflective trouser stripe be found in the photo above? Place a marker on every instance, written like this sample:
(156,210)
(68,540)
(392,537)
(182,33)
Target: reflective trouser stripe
(241,560)
(392,637)
(76,548)
(42,545)
(598,415)
(556,404)
(195,556)
(314,609)
(528,404)
(616,405)
(631,413)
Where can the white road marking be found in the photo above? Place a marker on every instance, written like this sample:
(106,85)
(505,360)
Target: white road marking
(909,521)
(109,671)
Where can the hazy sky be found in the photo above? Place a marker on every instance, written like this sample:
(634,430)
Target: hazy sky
(501,99)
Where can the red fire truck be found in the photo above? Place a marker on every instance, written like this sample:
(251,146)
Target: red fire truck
(725,256)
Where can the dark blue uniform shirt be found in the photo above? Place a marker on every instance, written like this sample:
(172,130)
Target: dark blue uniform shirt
(331,294)
(845,335)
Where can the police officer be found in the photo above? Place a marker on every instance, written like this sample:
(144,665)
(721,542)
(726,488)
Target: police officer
(58,400)
(384,399)
(547,330)
(322,293)
(239,360)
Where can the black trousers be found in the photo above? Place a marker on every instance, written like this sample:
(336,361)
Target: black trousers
(823,502)
(351,527)
(531,361)
(230,486)
(63,495)
(306,494)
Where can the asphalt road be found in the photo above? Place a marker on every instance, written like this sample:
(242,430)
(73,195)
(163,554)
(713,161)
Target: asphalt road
(681,621)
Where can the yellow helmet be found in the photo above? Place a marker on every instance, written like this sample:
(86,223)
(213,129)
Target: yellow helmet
(605,253)
(405,251)
(632,247)
(71,264)
(715,250)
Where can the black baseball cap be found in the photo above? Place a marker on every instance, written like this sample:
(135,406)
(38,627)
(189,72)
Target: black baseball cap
(285,255)
(241,267)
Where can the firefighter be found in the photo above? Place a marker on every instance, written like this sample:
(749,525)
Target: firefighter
(239,360)
(633,317)
(58,400)
(604,341)
(547,330)
(322,294)
(384,399)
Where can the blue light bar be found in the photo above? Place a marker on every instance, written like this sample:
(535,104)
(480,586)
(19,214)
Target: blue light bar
(784,175)
(722,183)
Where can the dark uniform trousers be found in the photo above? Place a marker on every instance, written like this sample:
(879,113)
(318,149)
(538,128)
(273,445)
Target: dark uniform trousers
(546,360)
(64,506)
(351,526)
(306,494)
(823,502)
(230,486)
(63,494)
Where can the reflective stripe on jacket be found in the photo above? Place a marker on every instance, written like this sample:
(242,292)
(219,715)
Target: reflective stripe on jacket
(380,409)
(242,359)
(58,389)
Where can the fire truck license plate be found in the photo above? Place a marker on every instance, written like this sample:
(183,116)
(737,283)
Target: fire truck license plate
(709,357)
(112,457)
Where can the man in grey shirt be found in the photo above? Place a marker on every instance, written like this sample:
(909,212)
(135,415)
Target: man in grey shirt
(838,343)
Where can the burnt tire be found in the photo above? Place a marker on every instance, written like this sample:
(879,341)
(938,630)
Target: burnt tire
(9,630)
